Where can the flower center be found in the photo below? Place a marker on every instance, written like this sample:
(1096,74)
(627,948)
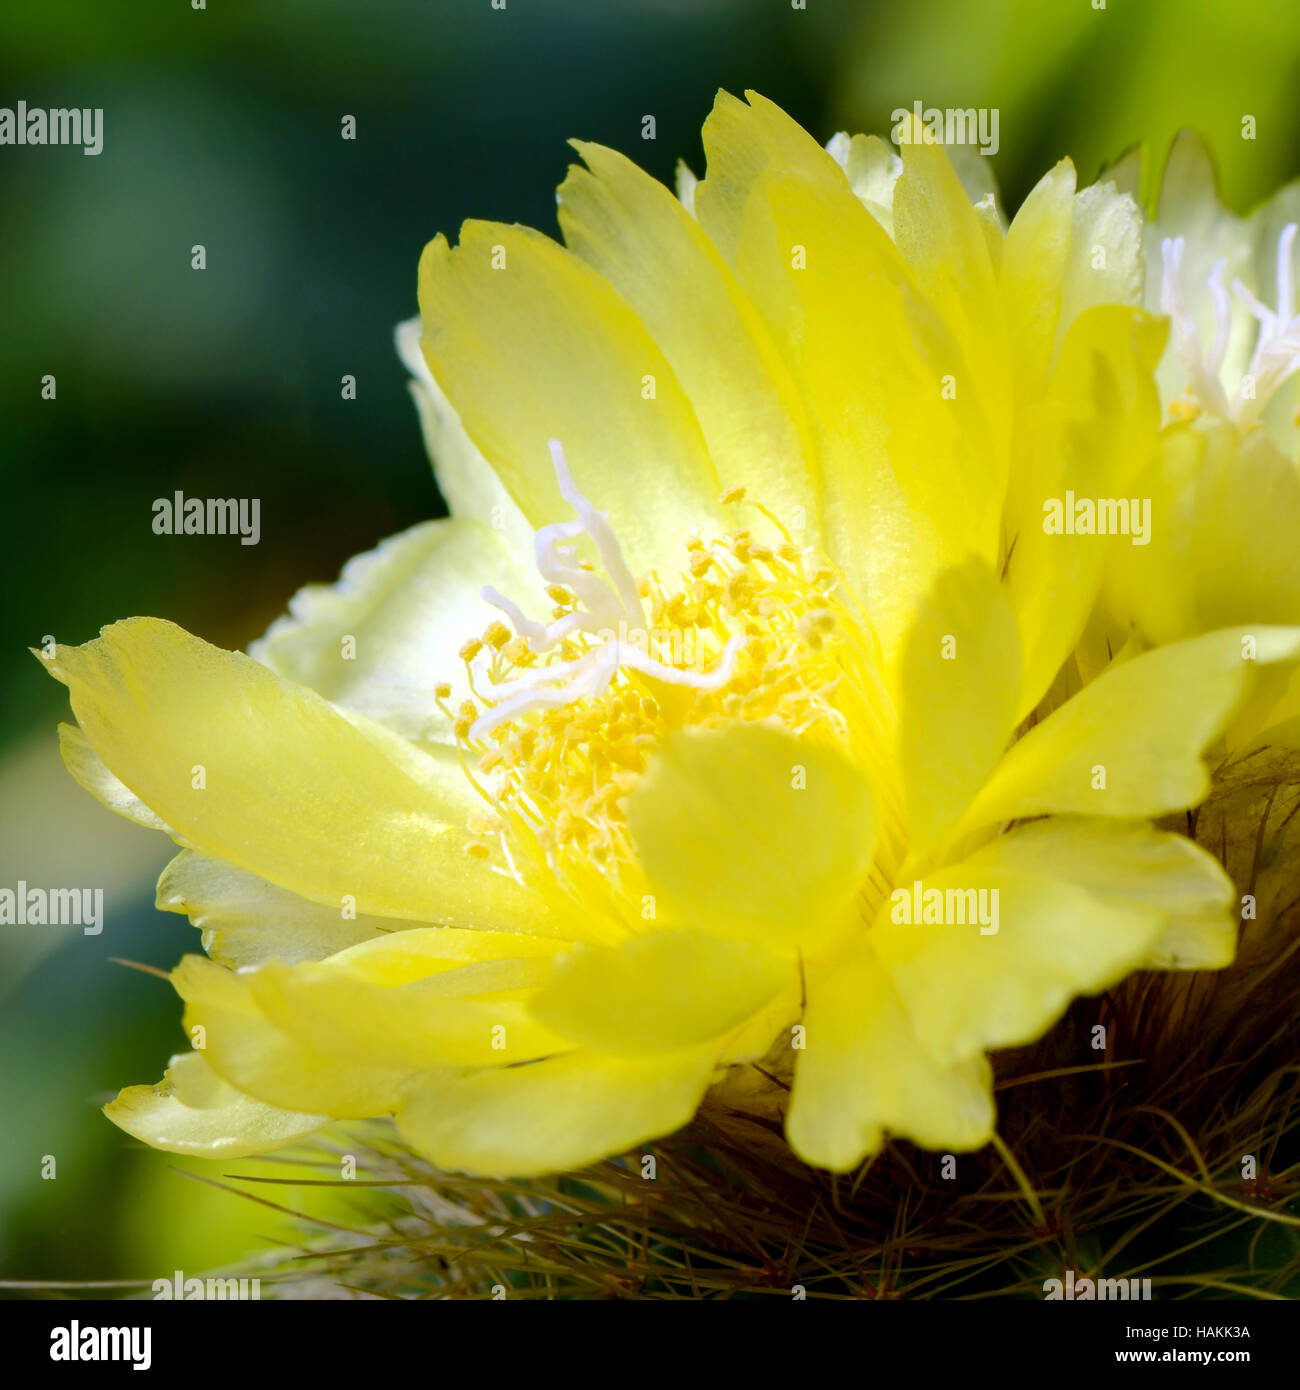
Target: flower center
(1277,346)
(564,715)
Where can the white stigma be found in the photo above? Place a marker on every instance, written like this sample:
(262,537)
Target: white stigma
(1277,346)
(610,610)
(1277,349)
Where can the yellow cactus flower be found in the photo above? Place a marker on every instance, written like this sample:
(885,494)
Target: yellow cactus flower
(718,727)
(1223,482)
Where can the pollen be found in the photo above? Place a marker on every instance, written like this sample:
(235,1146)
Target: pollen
(564,718)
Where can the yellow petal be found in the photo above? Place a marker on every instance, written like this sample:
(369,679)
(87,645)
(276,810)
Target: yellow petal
(940,237)
(416,999)
(912,473)
(1129,743)
(246,920)
(1223,552)
(745,142)
(554,1115)
(665,991)
(959,682)
(290,789)
(1130,864)
(192,1111)
(970,986)
(863,1073)
(88,770)
(258,1059)
(1089,436)
(523,348)
(631,229)
(751,833)
(1033,260)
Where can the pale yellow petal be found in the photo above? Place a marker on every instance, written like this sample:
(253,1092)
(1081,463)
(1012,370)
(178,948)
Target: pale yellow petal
(193,1111)
(246,920)
(863,1073)
(224,1023)
(524,338)
(88,769)
(380,639)
(751,833)
(640,238)
(468,483)
(1130,864)
(554,1115)
(250,768)
(1223,549)
(1087,439)
(746,142)
(958,691)
(417,999)
(666,991)
(1130,742)
(970,985)
(912,470)
(940,237)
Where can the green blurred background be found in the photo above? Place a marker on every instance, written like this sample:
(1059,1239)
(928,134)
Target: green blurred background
(222,127)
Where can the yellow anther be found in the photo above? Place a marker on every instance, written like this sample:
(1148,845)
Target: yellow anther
(442,691)
(680,611)
(731,494)
(740,589)
(476,849)
(558,777)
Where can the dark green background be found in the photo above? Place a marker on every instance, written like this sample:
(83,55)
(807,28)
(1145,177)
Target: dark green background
(222,127)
